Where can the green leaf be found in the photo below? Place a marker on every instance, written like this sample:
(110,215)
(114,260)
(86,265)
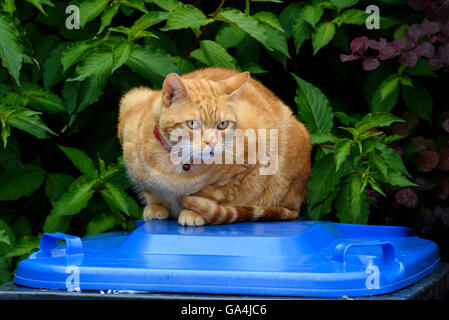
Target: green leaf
(165,4)
(29,121)
(375,186)
(379,164)
(9,6)
(341,4)
(54,223)
(136,4)
(320,137)
(5,273)
(41,99)
(301,31)
(115,195)
(322,35)
(323,180)
(121,54)
(56,185)
(268,18)
(345,119)
(351,205)
(81,160)
(53,70)
(388,86)
(76,52)
(149,19)
(11,50)
(421,68)
(158,62)
(248,24)
(22,227)
(289,14)
(91,90)
(313,107)
(69,93)
(217,56)
(38,4)
(392,159)
(386,95)
(90,9)
(312,14)
(20,182)
(24,246)
(5,243)
(73,201)
(98,61)
(418,99)
(274,32)
(229,35)
(185,16)
(6,132)
(399,180)
(352,16)
(324,207)
(342,148)
(108,15)
(102,223)
(9,232)
(376,119)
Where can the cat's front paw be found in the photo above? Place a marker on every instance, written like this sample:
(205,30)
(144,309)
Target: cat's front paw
(155,211)
(190,218)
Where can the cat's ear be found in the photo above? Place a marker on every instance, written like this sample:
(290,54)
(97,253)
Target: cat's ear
(234,85)
(173,89)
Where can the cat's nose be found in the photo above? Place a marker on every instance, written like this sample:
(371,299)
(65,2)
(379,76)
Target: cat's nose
(211,144)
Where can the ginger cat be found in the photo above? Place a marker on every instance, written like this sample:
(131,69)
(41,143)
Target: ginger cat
(213,102)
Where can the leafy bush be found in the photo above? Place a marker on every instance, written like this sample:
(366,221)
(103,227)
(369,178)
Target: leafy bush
(61,165)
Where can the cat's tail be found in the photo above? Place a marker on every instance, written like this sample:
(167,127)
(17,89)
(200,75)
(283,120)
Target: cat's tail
(215,213)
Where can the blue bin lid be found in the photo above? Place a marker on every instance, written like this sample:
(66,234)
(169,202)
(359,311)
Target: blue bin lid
(288,258)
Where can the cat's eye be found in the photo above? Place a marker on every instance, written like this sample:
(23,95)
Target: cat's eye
(223,124)
(193,124)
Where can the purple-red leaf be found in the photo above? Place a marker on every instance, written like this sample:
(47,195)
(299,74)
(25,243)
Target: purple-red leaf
(398,44)
(406,197)
(359,45)
(348,57)
(437,10)
(370,64)
(387,53)
(435,63)
(414,33)
(427,161)
(445,125)
(430,27)
(409,59)
(418,5)
(419,143)
(443,53)
(400,129)
(425,49)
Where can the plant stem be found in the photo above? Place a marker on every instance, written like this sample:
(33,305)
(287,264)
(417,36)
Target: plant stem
(325,147)
(203,31)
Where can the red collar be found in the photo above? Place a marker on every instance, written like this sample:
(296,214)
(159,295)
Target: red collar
(186,166)
(158,137)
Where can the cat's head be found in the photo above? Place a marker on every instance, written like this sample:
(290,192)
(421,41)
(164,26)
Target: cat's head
(201,109)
